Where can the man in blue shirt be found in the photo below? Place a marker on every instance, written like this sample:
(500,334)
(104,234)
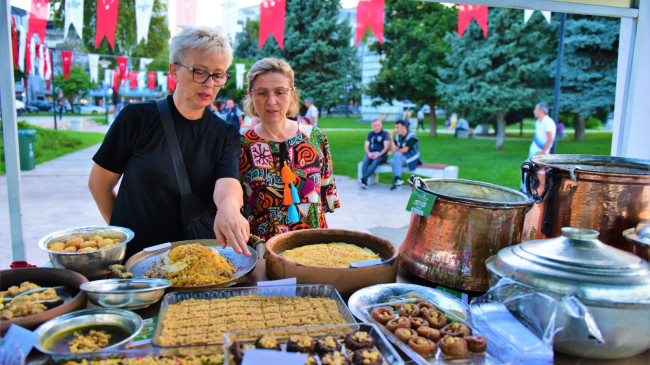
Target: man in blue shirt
(233,114)
(376,147)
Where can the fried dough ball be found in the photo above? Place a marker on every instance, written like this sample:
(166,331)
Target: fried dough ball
(96,238)
(430,333)
(75,242)
(435,318)
(424,307)
(70,249)
(105,243)
(405,334)
(401,322)
(383,314)
(456,329)
(87,249)
(476,344)
(85,244)
(408,309)
(417,322)
(422,346)
(57,246)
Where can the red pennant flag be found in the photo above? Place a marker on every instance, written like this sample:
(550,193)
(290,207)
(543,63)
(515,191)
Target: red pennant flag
(66,59)
(28,57)
(134,80)
(185,12)
(37,19)
(116,80)
(121,65)
(151,80)
(171,84)
(14,40)
(272,14)
(370,13)
(106,21)
(467,12)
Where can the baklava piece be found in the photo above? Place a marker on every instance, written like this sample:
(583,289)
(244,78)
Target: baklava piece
(476,344)
(405,334)
(382,314)
(435,318)
(430,333)
(359,340)
(326,345)
(456,329)
(408,310)
(237,350)
(311,360)
(335,358)
(367,357)
(417,322)
(401,322)
(268,343)
(298,343)
(422,346)
(453,346)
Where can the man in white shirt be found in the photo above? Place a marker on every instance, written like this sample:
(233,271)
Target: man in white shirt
(312,111)
(544,134)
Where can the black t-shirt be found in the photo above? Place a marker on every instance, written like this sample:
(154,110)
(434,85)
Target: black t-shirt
(377,140)
(148,200)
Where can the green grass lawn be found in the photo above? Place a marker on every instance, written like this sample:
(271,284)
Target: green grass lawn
(50,144)
(476,159)
(358,123)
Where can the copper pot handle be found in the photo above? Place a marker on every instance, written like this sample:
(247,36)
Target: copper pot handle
(531,181)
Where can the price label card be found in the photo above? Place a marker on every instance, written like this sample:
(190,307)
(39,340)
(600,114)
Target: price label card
(146,333)
(420,203)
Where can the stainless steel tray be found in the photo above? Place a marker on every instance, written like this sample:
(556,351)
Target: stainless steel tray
(381,343)
(139,263)
(382,293)
(301,290)
(439,358)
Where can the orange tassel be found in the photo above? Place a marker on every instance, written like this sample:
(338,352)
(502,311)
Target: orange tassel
(287,178)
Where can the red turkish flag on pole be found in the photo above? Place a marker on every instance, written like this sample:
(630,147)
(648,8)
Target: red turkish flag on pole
(66,59)
(151,78)
(370,13)
(171,84)
(116,80)
(133,84)
(121,65)
(467,12)
(106,21)
(272,14)
(37,19)
(14,41)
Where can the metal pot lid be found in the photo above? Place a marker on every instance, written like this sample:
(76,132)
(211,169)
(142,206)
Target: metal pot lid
(577,263)
(641,234)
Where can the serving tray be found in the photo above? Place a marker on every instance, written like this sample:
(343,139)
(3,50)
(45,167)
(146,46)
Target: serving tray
(139,263)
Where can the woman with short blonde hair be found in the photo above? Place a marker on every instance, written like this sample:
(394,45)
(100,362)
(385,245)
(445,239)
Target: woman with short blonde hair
(285,167)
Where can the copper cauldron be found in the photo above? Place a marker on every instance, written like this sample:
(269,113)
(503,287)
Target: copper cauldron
(603,193)
(470,221)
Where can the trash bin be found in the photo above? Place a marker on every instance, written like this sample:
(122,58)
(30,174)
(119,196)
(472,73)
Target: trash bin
(26,148)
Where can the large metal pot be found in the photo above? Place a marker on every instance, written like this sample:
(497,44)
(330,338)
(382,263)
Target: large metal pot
(470,221)
(613,284)
(640,238)
(604,193)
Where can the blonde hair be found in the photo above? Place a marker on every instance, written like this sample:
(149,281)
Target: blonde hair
(266,66)
(199,38)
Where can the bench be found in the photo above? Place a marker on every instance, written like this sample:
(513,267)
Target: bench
(427,169)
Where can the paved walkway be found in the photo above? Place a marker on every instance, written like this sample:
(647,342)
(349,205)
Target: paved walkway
(55,196)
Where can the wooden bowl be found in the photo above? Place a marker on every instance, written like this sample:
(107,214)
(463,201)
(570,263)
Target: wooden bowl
(44,277)
(346,280)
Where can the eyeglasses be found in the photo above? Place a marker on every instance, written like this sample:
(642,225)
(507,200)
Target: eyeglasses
(202,76)
(279,92)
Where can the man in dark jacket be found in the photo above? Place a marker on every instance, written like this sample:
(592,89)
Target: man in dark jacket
(405,151)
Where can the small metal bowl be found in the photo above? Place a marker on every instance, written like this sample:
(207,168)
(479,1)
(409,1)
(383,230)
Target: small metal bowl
(93,265)
(125,293)
(52,334)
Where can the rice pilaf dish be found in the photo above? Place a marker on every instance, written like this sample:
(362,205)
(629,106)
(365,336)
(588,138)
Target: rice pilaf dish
(192,265)
(336,254)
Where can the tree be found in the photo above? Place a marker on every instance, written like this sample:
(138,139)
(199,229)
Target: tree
(486,78)
(412,53)
(247,41)
(317,46)
(589,69)
(157,45)
(77,84)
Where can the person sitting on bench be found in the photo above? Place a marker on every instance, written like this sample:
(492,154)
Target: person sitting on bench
(461,126)
(376,147)
(405,151)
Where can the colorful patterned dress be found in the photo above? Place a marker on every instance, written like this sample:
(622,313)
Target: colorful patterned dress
(259,173)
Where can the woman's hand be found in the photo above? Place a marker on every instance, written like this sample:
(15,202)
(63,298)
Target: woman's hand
(230,227)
